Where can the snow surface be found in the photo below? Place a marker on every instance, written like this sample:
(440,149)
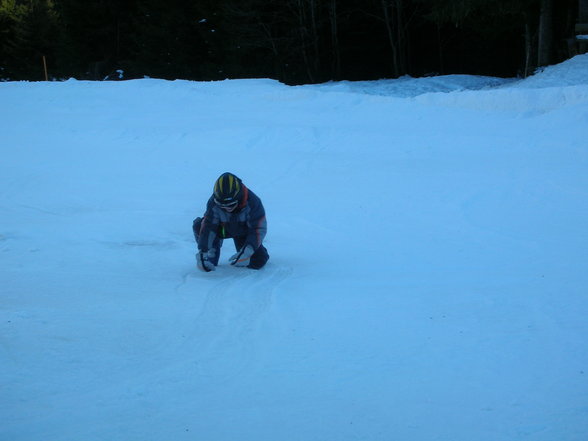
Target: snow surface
(428,274)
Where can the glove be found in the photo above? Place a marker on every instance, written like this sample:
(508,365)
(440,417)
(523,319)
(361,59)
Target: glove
(203,260)
(243,257)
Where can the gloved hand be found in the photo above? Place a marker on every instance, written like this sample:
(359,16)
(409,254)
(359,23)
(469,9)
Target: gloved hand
(243,257)
(204,260)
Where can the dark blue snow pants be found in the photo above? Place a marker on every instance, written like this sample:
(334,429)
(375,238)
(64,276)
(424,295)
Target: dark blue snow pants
(259,258)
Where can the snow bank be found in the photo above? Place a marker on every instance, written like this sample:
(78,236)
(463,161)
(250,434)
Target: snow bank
(572,72)
(407,87)
(554,87)
(562,85)
(521,101)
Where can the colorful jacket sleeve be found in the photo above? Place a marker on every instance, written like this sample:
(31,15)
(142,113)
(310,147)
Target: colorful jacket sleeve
(209,227)
(256,222)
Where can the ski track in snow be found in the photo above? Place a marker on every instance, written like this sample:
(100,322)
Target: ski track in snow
(231,312)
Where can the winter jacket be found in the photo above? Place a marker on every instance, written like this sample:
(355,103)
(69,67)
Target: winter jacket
(247,220)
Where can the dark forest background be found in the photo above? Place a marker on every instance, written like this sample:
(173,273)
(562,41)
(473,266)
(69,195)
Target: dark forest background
(294,41)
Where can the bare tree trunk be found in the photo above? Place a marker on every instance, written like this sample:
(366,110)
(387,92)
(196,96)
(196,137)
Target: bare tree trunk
(303,39)
(278,70)
(386,6)
(401,38)
(545,33)
(528,49)
(314,35)
(336,51)
(530,44)
(440,49)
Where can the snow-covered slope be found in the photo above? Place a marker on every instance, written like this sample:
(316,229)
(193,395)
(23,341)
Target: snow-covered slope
(428,266)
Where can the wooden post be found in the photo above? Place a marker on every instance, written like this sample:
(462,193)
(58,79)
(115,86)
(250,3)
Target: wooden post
(45,68)
(582,11)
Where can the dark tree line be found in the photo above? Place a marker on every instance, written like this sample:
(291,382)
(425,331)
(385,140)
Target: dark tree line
(295,41)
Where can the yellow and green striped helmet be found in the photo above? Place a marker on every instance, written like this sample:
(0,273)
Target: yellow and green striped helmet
(227,189)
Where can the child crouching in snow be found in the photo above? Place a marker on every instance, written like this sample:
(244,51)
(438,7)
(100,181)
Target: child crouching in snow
(233,211)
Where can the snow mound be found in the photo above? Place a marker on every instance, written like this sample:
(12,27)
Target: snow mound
(566,84)
(522,101)
(561,85)
(572,72)
(408,87)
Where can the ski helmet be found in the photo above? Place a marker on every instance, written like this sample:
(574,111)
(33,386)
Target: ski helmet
(227,190)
